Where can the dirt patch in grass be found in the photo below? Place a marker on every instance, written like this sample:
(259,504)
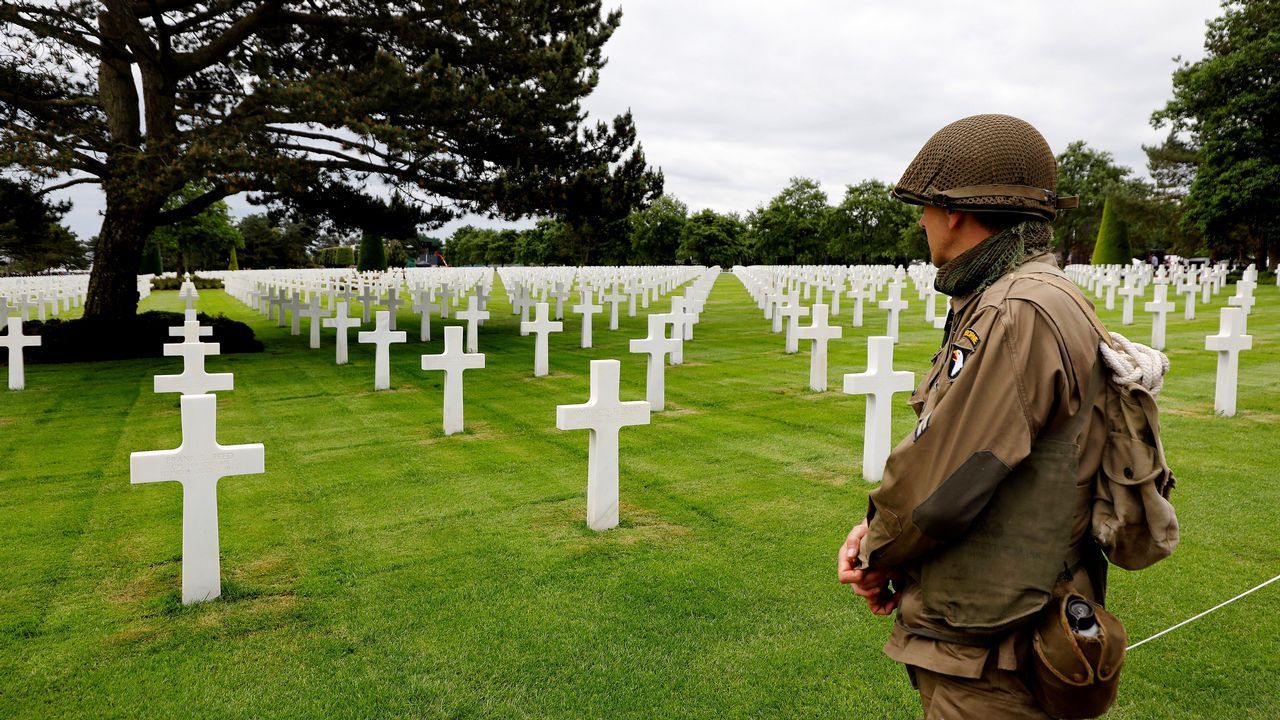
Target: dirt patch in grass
(834,478)
(565,522)
(394,390)
(554,375)
(673,410)
(157,580)
(472,431)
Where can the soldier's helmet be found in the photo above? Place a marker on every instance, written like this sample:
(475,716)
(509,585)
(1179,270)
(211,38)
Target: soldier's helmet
(985,163)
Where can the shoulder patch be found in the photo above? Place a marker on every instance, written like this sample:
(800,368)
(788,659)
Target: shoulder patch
(971,336)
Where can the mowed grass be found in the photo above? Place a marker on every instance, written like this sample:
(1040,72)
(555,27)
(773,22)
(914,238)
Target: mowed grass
(381,570)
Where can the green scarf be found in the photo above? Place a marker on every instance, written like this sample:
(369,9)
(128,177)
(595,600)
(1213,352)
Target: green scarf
(984,263)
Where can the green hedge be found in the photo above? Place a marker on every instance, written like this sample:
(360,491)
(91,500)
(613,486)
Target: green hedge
(91,338)
(339,257)
(176,283)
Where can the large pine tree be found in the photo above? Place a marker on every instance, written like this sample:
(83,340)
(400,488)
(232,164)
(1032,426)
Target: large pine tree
(463,105)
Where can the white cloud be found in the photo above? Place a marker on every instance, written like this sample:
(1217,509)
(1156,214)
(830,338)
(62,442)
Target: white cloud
(733,97)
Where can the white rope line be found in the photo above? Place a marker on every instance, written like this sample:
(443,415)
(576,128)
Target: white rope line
(1206,612)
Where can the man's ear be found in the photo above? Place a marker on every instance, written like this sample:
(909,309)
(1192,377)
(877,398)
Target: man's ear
(955,218)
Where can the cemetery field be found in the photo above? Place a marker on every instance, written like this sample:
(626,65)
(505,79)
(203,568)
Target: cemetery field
(380,569)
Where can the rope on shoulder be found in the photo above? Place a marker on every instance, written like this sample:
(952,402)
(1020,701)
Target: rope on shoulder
(1132,362)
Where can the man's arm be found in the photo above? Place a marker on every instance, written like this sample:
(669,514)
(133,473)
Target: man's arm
(1005,372)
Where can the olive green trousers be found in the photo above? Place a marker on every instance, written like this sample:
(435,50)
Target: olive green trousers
(997,695)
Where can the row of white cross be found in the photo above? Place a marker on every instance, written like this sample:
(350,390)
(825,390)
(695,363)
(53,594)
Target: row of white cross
(200,461)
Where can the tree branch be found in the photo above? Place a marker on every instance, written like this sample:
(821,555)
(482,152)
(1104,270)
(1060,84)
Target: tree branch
(69,183)
(10,12)
(354,145)
(194,207)
(348,162)
(225,43)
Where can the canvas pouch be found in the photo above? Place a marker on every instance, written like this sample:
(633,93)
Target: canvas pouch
(1074,677)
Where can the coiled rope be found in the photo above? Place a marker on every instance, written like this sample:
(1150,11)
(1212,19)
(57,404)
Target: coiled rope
(1132,362)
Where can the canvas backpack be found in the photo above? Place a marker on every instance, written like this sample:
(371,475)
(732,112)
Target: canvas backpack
(1133,521)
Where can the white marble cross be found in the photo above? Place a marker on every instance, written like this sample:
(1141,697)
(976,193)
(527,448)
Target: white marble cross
(859,294)
(315,315)
(676,319)
(1243,298)
(17,343)
(281,299)
(819,332)
(189,294)
(791,312)
(1189,288)
(198,463)
(190,330)
(382,337)
(193,380)
(341,321)
(1129,292)
(1159,308)
(771,300)
(453,361)
(560,293)
(657,345)
(393,303)
(366,296)
(446,301)
(930,297)
(689,309)
(878,383)
(541,326)
(1228,343)
(613,299)
(836,286)
(604,415)
(587,308)
(1110,282)
(424,307)
(295,308)
(473,315)
(895,305)
(521,302)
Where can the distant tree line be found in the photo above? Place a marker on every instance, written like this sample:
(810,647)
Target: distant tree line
(796,226)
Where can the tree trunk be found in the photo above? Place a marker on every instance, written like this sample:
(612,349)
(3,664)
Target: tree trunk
(117,254)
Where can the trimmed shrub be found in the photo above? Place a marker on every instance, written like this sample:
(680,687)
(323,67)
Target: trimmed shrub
(175,283)
(339,257)
(373,256)
(151,262)
(89,339)
(1112,247)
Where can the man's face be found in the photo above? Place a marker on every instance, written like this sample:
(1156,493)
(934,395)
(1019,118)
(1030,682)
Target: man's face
(938,231)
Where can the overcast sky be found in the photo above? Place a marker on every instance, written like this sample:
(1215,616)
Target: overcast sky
(732,98)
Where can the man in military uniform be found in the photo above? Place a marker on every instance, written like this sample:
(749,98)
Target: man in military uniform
(985,504)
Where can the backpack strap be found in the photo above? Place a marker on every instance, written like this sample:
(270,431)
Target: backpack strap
(1059,279)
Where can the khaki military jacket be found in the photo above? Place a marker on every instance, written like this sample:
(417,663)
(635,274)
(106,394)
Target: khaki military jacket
(996,476)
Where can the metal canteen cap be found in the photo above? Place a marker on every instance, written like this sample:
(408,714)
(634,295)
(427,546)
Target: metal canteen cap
(986,163)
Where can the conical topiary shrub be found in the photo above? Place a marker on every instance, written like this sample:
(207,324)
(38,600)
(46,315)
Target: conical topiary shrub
(373,256)
(1112,247)
(151,261)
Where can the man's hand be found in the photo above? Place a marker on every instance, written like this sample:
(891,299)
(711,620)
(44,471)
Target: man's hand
(847,569)
(871,585)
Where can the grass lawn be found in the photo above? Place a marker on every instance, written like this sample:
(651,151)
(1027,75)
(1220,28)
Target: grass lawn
(381,570)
